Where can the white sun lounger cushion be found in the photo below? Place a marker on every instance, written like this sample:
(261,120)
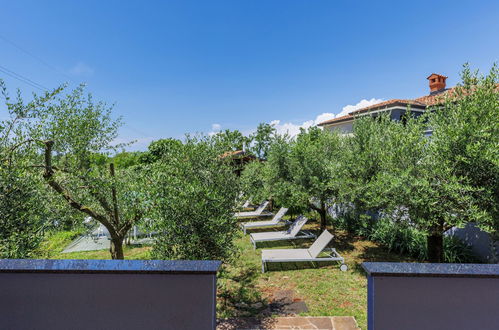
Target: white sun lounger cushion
(320,244)
(255,213)
(275,220)
(291,233)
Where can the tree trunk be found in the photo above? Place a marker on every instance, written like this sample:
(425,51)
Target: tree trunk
(116,248)
(323,213)
(435,244)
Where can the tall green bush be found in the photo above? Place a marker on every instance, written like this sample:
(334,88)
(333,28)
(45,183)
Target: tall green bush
(193,195)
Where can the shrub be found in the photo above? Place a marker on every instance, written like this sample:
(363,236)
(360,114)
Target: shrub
(194,193)
(403,239)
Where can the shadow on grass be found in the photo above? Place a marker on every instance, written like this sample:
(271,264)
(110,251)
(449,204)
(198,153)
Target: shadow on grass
(238,294)
(302,243)
(378,253)
(285,266)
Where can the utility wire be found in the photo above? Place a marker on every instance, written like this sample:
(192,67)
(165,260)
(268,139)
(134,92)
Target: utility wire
(22,78)
(39,86)
(51,67)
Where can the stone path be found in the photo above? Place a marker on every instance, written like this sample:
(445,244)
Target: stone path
(281,313)
(290,322)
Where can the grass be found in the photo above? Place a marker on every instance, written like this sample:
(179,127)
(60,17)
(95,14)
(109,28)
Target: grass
(52,246)
(326,290)
(54,243)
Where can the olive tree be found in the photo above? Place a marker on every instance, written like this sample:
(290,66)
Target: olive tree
(464,156)
(278,178)
(73,128)
(262,139)
(432,183)
(301,173)
(314,164)
(194,193)
(23,209)
(230,140)
(253,181)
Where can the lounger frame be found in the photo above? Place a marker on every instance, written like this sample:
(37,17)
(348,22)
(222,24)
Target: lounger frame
(259,212)
(281,222)
(333,255)
(302,234)
(270,223)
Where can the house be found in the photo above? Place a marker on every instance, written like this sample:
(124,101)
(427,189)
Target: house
(397,108)
(482,244)
(239,159)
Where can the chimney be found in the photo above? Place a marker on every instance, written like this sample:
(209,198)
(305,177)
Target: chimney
(437,82)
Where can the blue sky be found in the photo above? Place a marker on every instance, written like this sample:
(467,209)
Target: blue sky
(173,67)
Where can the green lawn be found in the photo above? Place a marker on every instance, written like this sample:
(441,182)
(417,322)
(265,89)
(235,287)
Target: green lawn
(326,290)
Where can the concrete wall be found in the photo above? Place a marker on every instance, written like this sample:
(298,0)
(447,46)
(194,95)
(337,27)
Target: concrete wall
(344,128)
(480,242)
(116,297)
(461,297)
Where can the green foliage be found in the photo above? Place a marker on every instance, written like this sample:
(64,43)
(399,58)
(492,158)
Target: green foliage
(301,173)
(24,211)
(21,214)
(55,242)
(404,239)
(465,144)
(194,193)
(262,140)
(64,140)
(400,238)
(456,251)
(253,181)
(158,149)
(277,174)
(230,140)
(423,184)
(126,159)
(79,126)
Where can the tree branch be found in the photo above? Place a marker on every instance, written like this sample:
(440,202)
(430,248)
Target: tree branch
(113,192)
(49,177)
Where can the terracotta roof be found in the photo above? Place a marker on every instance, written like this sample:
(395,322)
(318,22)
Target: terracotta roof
(237,154)
(389,103)
(337,120)
(232,153)
(436,74)
(435,98)
(420,102)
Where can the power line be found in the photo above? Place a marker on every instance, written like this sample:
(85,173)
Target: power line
(37,85)
(127,126)
(22,78)
(35,57)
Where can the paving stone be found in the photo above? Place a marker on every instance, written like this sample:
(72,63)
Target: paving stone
(296,322)
(345,323)
(322,322)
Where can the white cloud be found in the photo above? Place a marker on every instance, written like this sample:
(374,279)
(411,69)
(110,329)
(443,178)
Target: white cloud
(215,128)
(362,104)
(81,69)
(293,129)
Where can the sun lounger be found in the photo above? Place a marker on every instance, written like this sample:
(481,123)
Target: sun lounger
(294,232)
(256,213)
(262,224)
(303,255)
